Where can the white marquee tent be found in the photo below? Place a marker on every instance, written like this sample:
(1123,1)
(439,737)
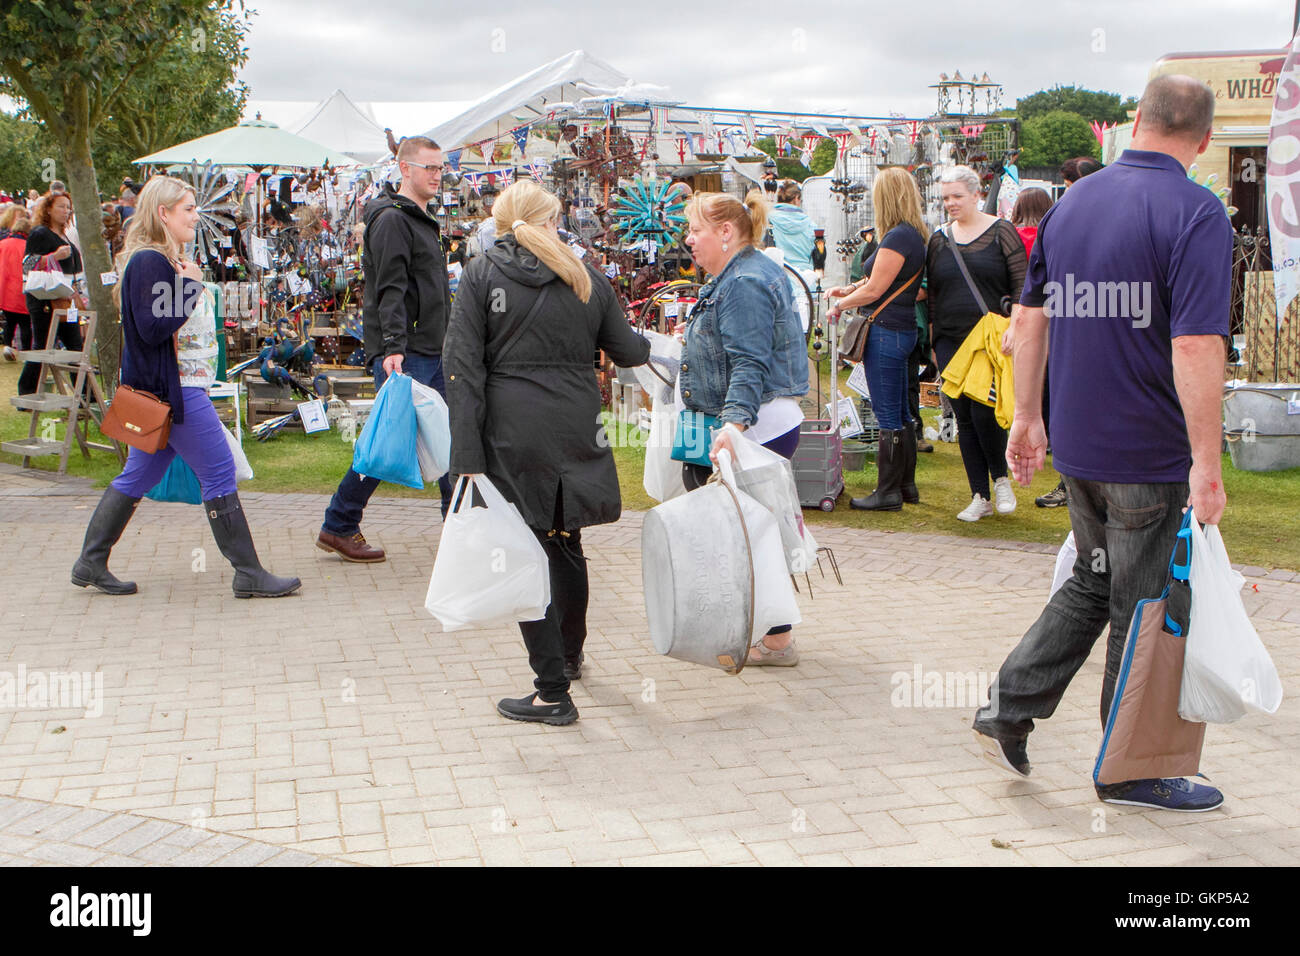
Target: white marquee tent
(340,124)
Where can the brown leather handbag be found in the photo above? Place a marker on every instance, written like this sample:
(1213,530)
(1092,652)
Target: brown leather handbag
(138,418)
(854,342)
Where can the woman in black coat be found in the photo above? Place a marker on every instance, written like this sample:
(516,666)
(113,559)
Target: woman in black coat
(49,240)
(525,410)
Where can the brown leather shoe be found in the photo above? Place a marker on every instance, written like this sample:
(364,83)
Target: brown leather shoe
(349,549)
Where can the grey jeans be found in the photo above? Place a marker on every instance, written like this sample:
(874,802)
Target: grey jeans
(1125,535)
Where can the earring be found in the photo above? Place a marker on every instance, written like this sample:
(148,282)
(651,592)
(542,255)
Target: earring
(724,247)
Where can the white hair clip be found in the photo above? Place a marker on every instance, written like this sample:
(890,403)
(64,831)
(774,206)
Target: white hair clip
(517,223)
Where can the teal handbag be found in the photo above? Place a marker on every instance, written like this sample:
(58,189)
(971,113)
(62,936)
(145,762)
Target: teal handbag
(694,437)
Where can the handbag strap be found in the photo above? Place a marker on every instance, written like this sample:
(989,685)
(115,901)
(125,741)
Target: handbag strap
(523,324)
(880,308)
(961,264)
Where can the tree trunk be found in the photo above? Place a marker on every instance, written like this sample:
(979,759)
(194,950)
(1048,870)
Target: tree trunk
(84,187)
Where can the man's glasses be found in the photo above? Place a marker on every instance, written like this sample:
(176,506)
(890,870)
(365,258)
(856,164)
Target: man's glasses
(437,169)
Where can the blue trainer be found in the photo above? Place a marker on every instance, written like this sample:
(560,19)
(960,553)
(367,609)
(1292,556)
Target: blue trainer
(1170,793)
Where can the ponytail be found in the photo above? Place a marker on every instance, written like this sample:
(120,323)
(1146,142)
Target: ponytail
(749,218)
(523,209)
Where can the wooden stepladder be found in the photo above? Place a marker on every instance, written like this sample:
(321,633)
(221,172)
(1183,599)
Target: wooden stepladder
(75,398)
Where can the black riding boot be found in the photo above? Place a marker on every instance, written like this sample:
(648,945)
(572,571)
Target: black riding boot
(230,528)
(889,469)
(907,483)
(106,526)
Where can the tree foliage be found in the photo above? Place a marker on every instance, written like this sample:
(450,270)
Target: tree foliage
(823,160)
(189,92)
(1090,104)
(1049,139)
(23,147)
(70,63)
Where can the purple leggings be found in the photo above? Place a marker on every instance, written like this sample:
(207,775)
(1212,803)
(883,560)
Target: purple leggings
(200,444)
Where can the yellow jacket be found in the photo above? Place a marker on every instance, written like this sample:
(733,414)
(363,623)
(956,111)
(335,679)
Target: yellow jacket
(981,372)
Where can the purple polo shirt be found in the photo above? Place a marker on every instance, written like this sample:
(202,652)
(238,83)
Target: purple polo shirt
(1130,258)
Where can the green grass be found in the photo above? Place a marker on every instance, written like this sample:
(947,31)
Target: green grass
(1261,526)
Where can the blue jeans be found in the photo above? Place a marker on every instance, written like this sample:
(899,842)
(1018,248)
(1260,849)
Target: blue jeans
(1125,535)
(343,516)
(886,361)
(200,444)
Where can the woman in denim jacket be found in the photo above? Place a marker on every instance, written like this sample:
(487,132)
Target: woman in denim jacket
(744,358)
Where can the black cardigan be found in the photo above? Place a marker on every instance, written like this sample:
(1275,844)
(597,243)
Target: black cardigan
(156,302)
(42,241)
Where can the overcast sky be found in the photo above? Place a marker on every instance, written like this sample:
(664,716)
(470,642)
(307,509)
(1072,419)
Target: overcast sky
(862,57)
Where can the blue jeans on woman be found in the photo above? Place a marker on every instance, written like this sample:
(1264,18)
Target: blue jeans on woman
(886,362)
(200,443)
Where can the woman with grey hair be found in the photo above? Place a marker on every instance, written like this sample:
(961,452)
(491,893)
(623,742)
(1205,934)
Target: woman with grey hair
(994,255)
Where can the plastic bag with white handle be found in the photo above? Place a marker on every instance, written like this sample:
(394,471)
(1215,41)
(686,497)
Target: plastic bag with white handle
(490,568)
(1227,670)
(768,478)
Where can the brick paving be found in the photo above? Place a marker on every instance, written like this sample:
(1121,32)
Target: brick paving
(343,725)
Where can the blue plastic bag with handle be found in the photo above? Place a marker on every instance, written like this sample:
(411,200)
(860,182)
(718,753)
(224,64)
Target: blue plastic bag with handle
(387,447)
(178,484)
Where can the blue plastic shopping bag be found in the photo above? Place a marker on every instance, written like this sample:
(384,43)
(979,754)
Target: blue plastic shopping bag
(387,447)
(178,483)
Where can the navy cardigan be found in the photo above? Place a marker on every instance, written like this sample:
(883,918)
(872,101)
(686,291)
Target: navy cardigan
(156,302)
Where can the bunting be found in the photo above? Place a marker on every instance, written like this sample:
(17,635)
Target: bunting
(521,139)
(842,143)
(453,160)
(913,131)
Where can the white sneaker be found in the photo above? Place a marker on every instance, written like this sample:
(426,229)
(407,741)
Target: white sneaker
(979,507)
(9,355)
(1004,495)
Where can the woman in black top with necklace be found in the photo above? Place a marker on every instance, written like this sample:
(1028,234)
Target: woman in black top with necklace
(995,256)
(48,239)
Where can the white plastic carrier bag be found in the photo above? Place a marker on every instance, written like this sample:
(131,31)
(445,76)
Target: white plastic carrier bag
(1227,671)
(490,568)
(433,431)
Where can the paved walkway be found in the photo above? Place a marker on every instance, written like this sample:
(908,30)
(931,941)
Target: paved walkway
(344,725)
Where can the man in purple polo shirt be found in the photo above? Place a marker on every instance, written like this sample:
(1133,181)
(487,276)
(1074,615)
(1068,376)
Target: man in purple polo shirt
(1132,268)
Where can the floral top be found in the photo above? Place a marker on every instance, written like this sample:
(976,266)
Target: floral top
(196,345)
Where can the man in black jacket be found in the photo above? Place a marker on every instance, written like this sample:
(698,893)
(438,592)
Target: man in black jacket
(404,318)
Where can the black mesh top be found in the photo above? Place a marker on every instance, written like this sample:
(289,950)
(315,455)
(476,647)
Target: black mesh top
(997,262)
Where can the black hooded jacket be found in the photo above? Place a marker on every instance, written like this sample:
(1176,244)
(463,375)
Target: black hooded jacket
(525,408)
(407,298)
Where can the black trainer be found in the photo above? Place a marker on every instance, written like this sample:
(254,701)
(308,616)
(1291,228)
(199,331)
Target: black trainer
(1009,755)
(542,712)
(573,669)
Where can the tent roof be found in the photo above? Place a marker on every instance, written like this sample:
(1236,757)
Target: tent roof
(529,94)
(340,124)
(253,143)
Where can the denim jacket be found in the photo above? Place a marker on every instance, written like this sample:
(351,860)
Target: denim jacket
(744,344)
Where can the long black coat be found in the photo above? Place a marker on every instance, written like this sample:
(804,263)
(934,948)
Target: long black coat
(529,416)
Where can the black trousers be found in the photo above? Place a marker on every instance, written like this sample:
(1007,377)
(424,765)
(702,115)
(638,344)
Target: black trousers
(560,635)
(69,333)
(916,363)
(983,442)
(16,322)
